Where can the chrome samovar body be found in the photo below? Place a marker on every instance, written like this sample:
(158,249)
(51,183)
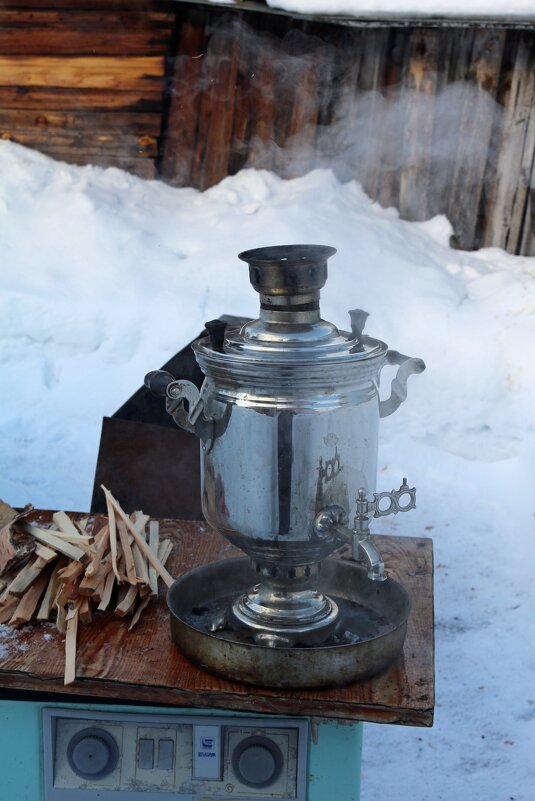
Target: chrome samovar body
(288,418)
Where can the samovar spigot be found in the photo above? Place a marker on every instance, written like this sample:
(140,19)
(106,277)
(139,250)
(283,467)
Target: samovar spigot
(330,522)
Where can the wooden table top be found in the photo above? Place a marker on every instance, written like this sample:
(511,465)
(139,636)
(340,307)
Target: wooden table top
(143,665)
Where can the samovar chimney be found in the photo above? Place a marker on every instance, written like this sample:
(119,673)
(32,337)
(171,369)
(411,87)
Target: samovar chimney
(289,279)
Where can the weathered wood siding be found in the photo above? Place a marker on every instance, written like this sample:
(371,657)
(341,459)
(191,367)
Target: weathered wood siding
(83,80)
(430,120)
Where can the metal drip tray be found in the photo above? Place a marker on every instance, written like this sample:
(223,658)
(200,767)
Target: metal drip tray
(369,636)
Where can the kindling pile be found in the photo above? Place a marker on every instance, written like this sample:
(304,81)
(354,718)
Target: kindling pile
(71,571)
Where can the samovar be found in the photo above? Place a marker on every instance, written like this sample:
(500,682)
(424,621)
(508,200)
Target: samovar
(288,419)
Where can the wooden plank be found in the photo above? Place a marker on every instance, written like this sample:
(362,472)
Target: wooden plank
(240,134)
(102,541)
(29,601)
(71,572)
(7,609)
(133,123)
(145,666)
(46,554)
(418,95)
(527,243)
(476,122)
(99,72)
(146,99)
(52,32)
(96,596)
(183,96)
(150,6)
(216,109)
(89,142)
(79,539)
(452,79)
(140,521)
(392,117)
(66,597)
(70,645)
(26,577)
(5,581)
(107,593)
(47,538)
(113,534)
(162,572)
(303,100)
(85,17)
(262,146)
(367,130)
(51,591)
(154,543)
(137,614)
(127,552)
(65,524)
(127,604)
(84,610)
(511,179)
(143,168)
(90,583)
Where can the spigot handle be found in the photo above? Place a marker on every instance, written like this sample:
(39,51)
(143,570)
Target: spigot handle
(366,509)
(395,506)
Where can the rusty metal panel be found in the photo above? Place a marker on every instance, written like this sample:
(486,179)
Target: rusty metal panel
(144,459)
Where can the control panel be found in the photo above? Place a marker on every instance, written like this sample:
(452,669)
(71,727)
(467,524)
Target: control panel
(113,756)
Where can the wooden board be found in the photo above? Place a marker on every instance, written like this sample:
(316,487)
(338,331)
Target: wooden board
(83,80)
(100,72)
(125,33)
(143,665)
(44,98)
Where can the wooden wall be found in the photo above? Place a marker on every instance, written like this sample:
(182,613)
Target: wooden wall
(83,80)
(430,120)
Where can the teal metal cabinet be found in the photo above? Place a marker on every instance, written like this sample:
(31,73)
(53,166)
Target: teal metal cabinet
(334,749)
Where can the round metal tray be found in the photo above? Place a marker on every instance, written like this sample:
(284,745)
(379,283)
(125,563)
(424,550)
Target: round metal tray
(373,625)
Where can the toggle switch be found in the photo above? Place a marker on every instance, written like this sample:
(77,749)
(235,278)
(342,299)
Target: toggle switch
(166,753)
(145,754)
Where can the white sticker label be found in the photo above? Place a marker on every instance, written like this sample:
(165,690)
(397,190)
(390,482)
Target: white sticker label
(207,752)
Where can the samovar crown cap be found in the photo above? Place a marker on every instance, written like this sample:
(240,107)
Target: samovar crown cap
(288,270)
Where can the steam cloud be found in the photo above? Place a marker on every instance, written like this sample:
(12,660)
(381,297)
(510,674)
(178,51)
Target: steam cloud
(302,102)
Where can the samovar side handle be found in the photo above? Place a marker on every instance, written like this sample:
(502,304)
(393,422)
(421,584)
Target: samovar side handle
(398,389)
(184,403)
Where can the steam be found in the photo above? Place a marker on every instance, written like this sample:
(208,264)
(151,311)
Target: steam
(300,102)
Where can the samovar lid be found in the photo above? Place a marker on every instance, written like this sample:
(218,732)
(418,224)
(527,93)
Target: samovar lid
(290,328)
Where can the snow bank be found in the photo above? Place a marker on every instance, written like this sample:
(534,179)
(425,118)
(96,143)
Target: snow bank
(105,276)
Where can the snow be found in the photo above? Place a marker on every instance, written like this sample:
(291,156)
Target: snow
(105,276)
(388,9)
(488,9)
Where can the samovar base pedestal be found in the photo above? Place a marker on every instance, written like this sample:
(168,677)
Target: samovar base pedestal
(368,635)
(279,618)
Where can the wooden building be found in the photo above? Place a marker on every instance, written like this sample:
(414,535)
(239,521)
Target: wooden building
(430,117)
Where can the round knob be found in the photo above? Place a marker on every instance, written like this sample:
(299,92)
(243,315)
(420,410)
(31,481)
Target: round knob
(257,762)
(92,753)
